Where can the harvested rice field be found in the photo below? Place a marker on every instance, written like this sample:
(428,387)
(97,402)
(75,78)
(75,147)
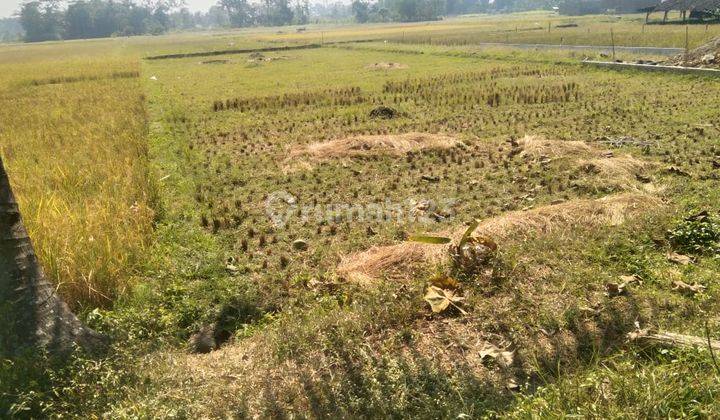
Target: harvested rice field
(370,229)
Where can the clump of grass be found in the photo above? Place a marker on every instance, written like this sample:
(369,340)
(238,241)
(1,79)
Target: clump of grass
(630,384)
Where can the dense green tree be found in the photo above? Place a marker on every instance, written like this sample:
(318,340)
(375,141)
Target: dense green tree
(278,13)
(333,11)
(161,20)
(10,29)
(183,19)
(41,20)
(301,12)
(240,12)
(137,21)
(407,10)
(78,20)
(361,11)
(380,13)
(217,16)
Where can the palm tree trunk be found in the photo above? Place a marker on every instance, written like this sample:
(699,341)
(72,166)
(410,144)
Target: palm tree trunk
(30,309)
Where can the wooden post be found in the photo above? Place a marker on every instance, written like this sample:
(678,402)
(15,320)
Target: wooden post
(687,44)
(665,16)
(612,40)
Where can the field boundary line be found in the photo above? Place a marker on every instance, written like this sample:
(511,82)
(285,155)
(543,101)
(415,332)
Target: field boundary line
(235,51)
(654,68)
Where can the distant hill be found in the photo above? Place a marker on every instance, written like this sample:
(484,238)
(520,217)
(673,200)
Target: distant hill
(10,29)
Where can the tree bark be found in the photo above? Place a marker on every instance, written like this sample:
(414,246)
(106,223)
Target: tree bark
(32,313)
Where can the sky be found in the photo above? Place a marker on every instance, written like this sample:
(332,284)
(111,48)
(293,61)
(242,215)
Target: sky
(9,7)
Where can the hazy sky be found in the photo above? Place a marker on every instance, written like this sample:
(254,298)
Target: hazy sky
(8,7)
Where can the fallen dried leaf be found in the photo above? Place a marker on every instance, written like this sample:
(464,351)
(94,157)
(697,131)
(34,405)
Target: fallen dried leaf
(688,289)
(633,278)
(440,299)
(502,357)
(445,282)
(678,258)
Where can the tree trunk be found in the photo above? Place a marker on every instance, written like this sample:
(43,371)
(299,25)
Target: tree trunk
(32,313)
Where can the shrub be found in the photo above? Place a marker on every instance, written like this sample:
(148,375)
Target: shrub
(697,234)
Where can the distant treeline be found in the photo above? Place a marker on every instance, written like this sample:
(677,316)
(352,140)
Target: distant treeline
(586,7)
(44,20)
(10,29)
(413,10)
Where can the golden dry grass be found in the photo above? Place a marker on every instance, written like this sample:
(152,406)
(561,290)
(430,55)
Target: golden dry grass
(371,145)
(619,166)
(398,261)
(76,154)
(564,217)
(539,147)
(608,171)
(392,261)
(619,172)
